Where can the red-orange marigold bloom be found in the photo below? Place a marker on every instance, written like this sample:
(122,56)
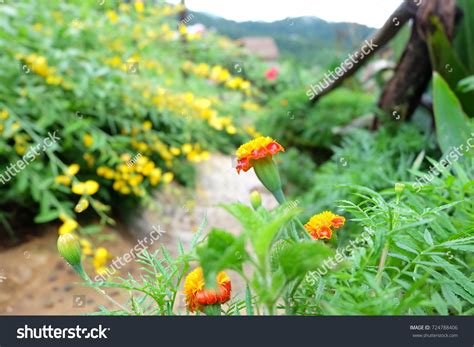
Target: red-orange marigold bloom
(255,149)
(197,296)
(319,226)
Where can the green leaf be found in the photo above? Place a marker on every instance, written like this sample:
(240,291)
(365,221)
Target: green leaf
(198,234)
(92,229)
(439,304)
(221,250)
(428,237)
(464,40)
(248,301)
(447,64)
(451,298)
(299,258)
(249,219)
(47,216)
(452,126)
(263,237)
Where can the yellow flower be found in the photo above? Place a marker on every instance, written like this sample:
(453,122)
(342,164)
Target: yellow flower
(193,156)
(148,168)
(86,246)
(78,188)
(112,16)
(106,172)
(72,169)
(118,185)
(88,140)
(4,114)
(205,155)
(89,187)
(135,180)
(37,27)
(231,129)
(15,126)
(175,151)
(20,148)
(89,158)
(125,190)
(82,205)
(139,7)
(126,157)
(138,191)
(61,179)
(124,7)
(187,148)
(155,177)
(68,226)
(101,256)
(251,106)
(54,80)
(147,125)
(168,177)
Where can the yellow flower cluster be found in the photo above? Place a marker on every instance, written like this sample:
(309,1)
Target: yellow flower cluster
(71,171)
(3,116)
(219,75)
(38,64)
(184,104)
(193,153)
(21,140)
(101,258)
(89,187)
(141,63)
(129,175)
(189,106)
(250,129)
(21,143)
(101,255)
(112,16)
(251,106)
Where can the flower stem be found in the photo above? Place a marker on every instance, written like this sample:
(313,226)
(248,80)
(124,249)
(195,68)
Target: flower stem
(80,271)
(383,259)
(280,197)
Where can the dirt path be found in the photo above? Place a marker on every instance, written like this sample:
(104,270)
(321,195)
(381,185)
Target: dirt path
(35,280)
(180,212)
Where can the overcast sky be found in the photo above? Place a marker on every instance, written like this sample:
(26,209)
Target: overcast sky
(369,12)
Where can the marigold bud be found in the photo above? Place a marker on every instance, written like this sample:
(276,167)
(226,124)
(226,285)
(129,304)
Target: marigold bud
(399,187)
(255,199)
(70,249)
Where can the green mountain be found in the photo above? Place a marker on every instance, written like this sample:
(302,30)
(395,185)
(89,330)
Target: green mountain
(309,40)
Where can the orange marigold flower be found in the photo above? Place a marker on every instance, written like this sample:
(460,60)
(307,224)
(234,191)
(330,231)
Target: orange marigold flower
(319,226)
(197,296)
(255,149)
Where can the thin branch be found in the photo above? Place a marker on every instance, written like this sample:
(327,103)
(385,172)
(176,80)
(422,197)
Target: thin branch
(406,11)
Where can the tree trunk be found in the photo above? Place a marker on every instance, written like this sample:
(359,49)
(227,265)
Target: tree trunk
(403,92)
